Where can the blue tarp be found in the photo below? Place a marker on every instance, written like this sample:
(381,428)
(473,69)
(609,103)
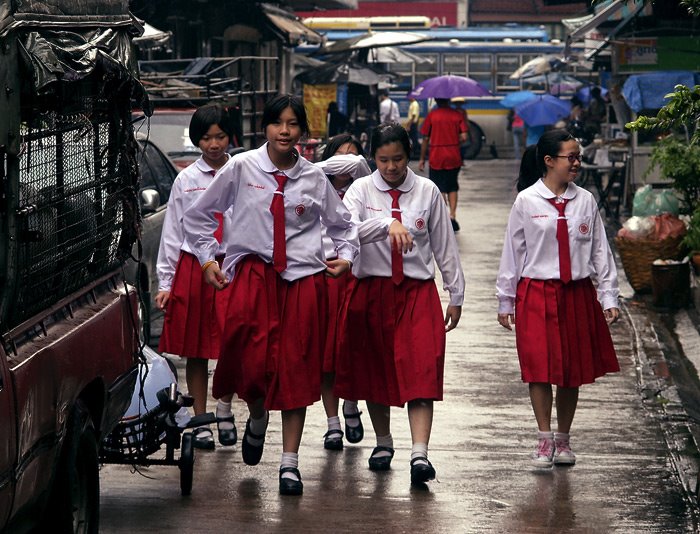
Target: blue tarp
(647,91)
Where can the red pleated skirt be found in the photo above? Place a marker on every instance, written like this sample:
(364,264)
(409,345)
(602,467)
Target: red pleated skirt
(393,350)
(561,333)
(192,327)
(338,293)
(273,337)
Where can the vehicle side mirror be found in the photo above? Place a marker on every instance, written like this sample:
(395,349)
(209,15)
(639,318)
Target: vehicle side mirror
(150,201)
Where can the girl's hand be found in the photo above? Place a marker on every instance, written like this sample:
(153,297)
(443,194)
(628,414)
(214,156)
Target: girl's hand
(611,315)
(506,320)
(162,299)
(214,276)
(337,267)
(400,238)
(452,316)
(421,165)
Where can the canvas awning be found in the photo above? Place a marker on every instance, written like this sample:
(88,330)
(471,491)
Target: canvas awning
(585,24)
(288,27)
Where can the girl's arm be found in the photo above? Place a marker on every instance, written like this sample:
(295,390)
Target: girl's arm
(338,222)
(369,230)
(444,246)
(355,166)
(199,221)
(171,238)
(512,260)
(604,264)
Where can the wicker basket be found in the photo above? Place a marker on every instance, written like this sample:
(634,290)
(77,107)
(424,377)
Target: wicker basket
(638,255)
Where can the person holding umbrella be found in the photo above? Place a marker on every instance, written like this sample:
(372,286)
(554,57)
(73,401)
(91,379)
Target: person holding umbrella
(444,130)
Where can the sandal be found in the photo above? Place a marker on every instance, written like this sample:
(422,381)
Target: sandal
(333,440)
(203,438)
(251,453)
(289,486)
(421,472)
(381,463)
(354,434)
(227,436)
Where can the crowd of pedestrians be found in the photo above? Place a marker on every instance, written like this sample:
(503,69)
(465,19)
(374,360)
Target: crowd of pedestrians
(316,282)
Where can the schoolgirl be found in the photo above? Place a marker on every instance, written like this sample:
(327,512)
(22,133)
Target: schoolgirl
(555,243)
(274,329)
(342,161)
(394,348)
(190,328)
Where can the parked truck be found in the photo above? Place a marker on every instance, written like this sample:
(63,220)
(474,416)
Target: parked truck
(69,216)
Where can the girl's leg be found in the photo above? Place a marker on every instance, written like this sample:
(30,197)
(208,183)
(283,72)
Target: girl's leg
(420,419)
(196,375)
(333,438)
(225,422)
(292,428)
(567,400)
(354,430)
(254,437)
(541,400)
(380,460)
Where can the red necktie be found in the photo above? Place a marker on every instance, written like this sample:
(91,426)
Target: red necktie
(279,243)
(563,239)
(219,232)
(396,257)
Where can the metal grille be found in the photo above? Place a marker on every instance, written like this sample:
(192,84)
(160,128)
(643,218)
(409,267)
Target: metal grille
(77,202)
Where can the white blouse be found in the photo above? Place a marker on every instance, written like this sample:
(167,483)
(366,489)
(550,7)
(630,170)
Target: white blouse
(423,213)
(187,187)
(246,184)
(531,249)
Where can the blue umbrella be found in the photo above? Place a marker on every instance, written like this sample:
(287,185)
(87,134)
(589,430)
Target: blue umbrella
(448,86)
(584,93)
(543,110)
(518,97)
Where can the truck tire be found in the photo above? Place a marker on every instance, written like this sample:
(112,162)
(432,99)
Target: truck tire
(74,505)
(476,140)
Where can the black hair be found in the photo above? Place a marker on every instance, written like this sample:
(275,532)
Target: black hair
(529,173)
(275,107)
(549,145)
(332,106)
(389,133)
(205,117)
(334,143)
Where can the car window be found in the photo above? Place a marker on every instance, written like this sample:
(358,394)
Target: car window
(171,132)
(162,172)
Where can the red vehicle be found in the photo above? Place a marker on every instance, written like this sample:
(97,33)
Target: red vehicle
(69,216)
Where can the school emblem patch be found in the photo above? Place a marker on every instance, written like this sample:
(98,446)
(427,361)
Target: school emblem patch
(299,210)
(583,228)
(420,224)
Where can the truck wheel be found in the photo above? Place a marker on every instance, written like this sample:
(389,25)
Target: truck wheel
(186,464)
(74,505)
(476,139)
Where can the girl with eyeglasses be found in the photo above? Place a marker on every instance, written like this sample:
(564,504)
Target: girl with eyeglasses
(555,243)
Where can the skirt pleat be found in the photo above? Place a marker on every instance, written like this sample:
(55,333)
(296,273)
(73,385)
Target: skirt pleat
(338,292)
(273,337)
(561,333)
(191,326)
(393,350)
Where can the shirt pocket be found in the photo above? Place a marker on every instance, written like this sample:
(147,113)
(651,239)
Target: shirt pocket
(416,221)
(581,228)
(300,208)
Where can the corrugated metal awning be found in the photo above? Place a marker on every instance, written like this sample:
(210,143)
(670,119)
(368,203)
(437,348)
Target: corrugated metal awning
(288,27)
(585,24)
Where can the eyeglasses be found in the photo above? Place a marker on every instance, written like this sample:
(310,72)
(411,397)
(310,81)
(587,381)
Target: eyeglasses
(571,157)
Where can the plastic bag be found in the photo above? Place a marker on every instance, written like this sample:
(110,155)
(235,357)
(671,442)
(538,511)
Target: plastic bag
(648,201)
(667,225)
(637,228)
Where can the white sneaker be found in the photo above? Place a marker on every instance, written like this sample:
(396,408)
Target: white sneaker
(542,457)
(563,455)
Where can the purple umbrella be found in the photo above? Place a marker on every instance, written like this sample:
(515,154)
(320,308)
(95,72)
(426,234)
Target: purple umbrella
(543,110)
(448,86)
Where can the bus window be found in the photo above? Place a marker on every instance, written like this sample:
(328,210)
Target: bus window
(427,70)
(506,64)
(479,63)
(454,64)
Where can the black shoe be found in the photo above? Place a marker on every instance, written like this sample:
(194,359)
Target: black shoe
(381,463)
(203,438)
(227,436)
(455,225)
(251,453)
(420,472)
(333,440)
(289,486)
(354,434)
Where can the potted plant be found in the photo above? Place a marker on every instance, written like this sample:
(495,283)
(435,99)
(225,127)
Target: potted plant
(691,240)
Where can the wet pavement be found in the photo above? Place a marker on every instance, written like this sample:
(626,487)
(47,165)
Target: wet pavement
(636,465)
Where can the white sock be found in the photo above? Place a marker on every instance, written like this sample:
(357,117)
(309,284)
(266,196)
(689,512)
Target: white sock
(258,427)
(290,459)
(561,436)
(420,450)
(334,423)
(223,409)
(545,435)
(384,441)
(350,408)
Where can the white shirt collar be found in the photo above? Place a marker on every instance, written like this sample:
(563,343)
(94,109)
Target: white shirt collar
(205,167)
(545,192)
(266,165)
(405,187)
